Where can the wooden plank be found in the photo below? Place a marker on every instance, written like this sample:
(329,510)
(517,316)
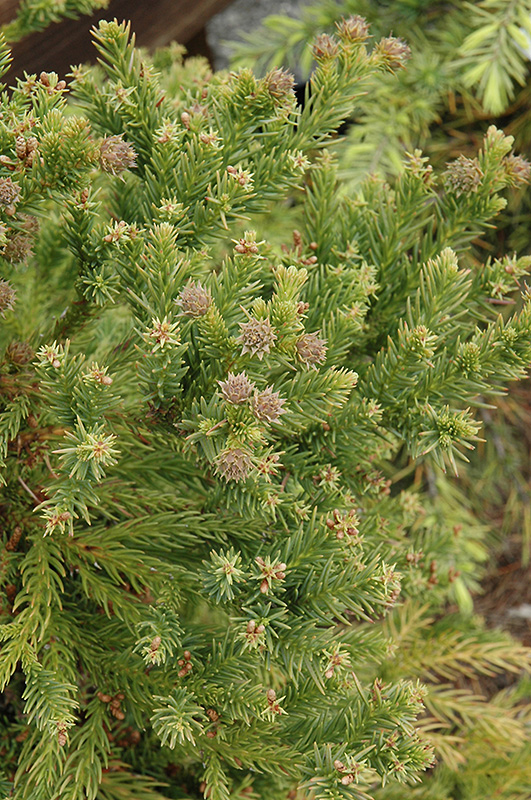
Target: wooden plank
(61,45)
(8,10)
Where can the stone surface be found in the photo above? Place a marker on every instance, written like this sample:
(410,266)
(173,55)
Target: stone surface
(244,16)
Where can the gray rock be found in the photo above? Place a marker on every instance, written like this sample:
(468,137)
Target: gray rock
(523,611)
(244,16)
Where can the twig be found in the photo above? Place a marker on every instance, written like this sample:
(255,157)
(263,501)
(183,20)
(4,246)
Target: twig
(29,491)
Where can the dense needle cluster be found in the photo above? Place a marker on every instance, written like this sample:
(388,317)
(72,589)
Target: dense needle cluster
(228,522)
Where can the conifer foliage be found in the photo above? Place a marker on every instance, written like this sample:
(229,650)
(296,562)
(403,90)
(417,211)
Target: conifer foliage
(210,563)
(37,15)
(469,63)
(469,68)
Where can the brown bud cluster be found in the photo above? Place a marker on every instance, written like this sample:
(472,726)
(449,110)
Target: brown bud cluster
(7,297)
(196,110)
(253,631)
(419,166)
(98,374)
(241,176)
(26,149)
(299,161)
(453,574)
(19,244)
(414,558)
(14,539)
(61,734)
(9,195)
(185,663)
(353,29)
(392,579)
(391,740)
(213,716)
(52,354)
(164,332)
(233,464)
(267,405)
(20,147)
(311,349)
(210,139)
(272,701)
(344,524)
(118,231)
(328,477)
(378,482)
(517,169)
(114,702)
(11,591)
(237,388)
(49,80)
(167,132)
(393,51)
(335,661)
(57,519)
(257,337)
(433,579)
(325,47)
(377,690)
(154,646)
(463,176)
(270,573)
(246,246)
(116,155)
(269,466)
(194,300)
(7,162)
(393,597)
(280,84)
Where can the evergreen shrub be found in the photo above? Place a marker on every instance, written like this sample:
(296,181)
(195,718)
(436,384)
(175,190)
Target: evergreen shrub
(227,531)
(469,69)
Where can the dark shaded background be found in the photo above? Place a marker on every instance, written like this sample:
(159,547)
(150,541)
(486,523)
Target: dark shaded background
(155,22)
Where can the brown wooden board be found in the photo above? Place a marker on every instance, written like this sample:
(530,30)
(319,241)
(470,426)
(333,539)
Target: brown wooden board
(155,23)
